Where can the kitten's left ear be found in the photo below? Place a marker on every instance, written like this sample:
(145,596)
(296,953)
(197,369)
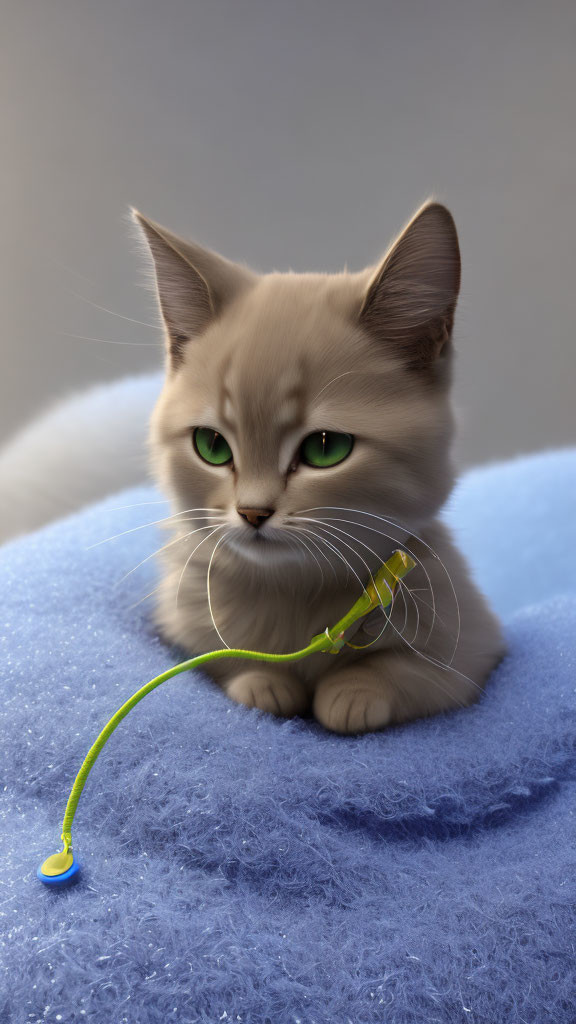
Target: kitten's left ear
(411,298)
(193,283)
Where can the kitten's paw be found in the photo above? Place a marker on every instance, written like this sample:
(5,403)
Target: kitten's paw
(350,702)
(278,693)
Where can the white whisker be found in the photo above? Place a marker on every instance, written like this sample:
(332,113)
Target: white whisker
(319,549)
(219,541)
(415,592)
(381,533)
(156,522)
(138,504)
(330,547)
(363,560)
(410,551)
(108,341)
(193,552)
(175,540)
(142,323)
(145,598)
(341,508)
(334,379)
(400,582)
(426,657)
(300,540)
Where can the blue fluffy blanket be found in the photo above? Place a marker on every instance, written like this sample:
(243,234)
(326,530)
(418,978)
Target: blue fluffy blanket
(242,868)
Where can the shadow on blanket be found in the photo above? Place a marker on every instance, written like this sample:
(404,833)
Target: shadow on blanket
(241,868)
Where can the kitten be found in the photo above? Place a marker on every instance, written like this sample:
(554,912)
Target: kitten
(303,433)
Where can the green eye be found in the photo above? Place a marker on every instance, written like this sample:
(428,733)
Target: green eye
(326,448)
(211,446)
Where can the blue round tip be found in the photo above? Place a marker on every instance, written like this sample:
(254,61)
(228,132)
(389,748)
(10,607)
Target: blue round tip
(59,881)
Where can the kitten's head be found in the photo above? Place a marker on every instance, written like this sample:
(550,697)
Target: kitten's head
(288,392)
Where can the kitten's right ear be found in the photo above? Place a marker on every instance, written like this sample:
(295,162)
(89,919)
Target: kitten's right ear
(193,284)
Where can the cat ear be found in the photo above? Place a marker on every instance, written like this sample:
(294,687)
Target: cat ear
(193,284)
(411,298)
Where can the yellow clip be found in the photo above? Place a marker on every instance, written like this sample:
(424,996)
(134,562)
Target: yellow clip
(381,591)
(337,644)
(330,646)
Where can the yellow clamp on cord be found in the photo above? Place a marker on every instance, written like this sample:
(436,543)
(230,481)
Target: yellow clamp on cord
(389,576)
(62,867)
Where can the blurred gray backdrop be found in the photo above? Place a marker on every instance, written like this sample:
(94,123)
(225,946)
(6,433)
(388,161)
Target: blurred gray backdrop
(301,135)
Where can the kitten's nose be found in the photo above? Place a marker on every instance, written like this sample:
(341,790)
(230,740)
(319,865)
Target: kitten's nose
(255,516)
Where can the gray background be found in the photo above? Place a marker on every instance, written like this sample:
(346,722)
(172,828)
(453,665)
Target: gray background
(299,134)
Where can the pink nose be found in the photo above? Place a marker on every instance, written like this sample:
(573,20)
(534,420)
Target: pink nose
(255,516)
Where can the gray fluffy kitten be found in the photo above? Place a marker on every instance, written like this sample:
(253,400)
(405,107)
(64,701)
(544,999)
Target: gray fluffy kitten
(304,433)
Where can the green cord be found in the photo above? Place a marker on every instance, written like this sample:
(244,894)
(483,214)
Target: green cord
(379,591)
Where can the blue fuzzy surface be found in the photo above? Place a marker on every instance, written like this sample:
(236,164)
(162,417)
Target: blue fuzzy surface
(243,868)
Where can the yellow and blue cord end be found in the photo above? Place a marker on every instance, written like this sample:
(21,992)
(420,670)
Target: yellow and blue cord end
(59,870)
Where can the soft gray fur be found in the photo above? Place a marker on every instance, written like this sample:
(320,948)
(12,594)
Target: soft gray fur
(266,359)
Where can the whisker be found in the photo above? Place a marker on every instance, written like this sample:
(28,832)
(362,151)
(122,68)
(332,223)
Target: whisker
(397,526)
(145,598)
(219,541)
(415,592)
(300,540)
(357,553)
(450,581)
(400,582)
(83,298)
(442,665)
(330,547)
(175,540)
(156,522)
(334,379)
(381,533)
(349,567)
(318,548)
(107,341)
(192,553)
(407,548)
(69,270)
(138,504)
(426,657)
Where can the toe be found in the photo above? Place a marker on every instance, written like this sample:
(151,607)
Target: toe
(282,696)
(351,709)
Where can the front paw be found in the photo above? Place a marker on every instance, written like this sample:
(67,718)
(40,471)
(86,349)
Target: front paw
(350,702)
(278,694)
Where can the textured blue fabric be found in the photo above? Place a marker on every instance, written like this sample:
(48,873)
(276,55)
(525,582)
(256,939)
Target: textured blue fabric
(242,868)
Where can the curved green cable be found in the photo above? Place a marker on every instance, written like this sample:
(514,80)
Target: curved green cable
(379,591)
